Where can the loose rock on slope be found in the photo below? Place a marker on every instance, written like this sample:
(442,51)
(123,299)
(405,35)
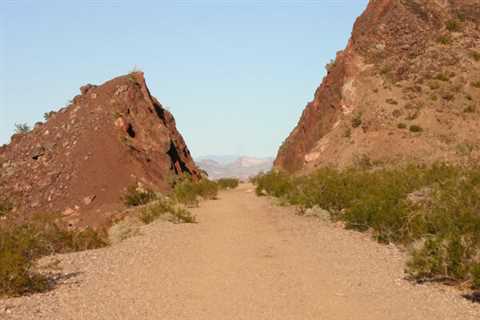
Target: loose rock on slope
(81,160)
(406,88)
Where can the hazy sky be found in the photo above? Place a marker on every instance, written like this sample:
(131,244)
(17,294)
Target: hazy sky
(235,74)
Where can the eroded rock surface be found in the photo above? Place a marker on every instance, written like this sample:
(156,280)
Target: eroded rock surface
(81,160)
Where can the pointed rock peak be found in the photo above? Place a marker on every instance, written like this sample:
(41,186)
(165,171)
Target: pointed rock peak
(84,156)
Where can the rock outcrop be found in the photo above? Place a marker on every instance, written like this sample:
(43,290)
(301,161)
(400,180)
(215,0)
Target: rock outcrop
(82,159)
(406,88)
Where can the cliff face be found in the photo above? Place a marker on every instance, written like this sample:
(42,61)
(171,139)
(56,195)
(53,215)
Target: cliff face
(82,159)
(406,88)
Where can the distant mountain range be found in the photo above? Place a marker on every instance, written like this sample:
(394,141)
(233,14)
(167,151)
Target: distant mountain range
(241,167)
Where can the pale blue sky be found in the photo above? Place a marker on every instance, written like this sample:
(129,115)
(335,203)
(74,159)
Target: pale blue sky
(235,74)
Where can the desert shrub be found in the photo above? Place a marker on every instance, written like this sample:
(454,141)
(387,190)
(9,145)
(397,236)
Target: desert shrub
(155,210)
(206,189)
(22,128)
(227,183)
(48,115)
(401,125)
(329,66)
(275,183)
(357,120)
(453,25)
(21,245)
(444,39)
(5,207)
(168,208)
(182,215)
(136,196)
(187,191)
(469,109)
(464,149)
(18,249)
(415,128)
(437,207)
(475,55)
(476,276)
(476,84)
(442,77)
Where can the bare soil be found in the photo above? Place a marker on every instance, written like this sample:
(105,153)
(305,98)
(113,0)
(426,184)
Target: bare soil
(245,259)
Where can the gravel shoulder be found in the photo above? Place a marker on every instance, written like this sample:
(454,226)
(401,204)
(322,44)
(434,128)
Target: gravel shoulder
(245,259)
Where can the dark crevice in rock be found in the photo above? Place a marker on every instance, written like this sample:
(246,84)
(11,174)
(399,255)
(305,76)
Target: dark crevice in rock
(177,164)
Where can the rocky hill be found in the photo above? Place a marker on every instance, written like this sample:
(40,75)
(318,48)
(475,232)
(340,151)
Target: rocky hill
(82,159)
(406,88)
(241,167)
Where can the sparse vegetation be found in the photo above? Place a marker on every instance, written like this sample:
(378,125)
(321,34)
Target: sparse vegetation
(329,66)
(442,77)
(464,149)
(433,210)
(476,84)
(5,207)
(475,55)
(187,191)
(401,125)
(21,245)
(444,39)
(469,109)
(137,196)
(453,26)
(22,128)
(162,207)
(357,120)
(415,128)
(47,115)
(227,183)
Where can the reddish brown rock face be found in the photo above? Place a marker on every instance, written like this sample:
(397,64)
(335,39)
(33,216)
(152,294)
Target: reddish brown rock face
(409,64)
(85,156)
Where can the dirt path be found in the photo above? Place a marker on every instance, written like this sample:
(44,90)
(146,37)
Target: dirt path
(245,259)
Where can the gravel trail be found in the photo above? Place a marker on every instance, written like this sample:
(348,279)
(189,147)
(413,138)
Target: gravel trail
(245,259)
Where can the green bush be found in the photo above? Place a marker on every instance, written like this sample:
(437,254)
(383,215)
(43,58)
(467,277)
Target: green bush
(187,191)
(437,206)
(136,196)
(163,207)
(207,189)
(275,183)
(182,215)
(21,245)
(227,183)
